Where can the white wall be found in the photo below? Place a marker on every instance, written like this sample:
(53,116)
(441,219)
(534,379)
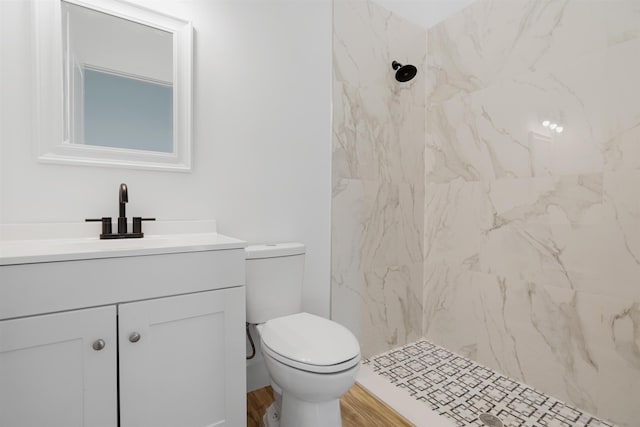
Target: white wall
(271,134)
(262,138)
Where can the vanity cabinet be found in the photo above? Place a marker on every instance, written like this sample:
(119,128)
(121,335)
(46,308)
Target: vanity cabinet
(145,350)
(50,375)
(180,360)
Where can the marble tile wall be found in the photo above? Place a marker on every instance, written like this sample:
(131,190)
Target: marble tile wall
(378,176)
(532,247)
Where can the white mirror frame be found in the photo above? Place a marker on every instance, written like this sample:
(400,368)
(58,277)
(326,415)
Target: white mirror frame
(52,146)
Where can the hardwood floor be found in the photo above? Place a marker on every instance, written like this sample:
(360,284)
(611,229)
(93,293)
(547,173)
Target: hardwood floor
(358,407)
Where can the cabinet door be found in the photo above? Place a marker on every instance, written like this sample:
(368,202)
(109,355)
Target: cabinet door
(188,366)
(50,374)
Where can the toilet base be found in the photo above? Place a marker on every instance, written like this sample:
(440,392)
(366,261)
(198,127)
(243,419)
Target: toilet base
(271,418)
(303,414)
(298,413)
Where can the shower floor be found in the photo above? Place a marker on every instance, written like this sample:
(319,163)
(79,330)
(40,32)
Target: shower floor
(460,390)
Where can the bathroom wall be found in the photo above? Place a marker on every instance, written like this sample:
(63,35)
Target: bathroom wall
(377,176)
(261,129)
(532,250)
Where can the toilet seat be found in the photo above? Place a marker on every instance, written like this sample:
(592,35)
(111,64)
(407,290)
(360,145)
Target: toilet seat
(310,343)
(318,369)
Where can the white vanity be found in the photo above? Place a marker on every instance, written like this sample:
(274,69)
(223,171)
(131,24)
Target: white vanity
(142,332)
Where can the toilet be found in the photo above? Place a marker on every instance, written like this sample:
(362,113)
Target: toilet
(311,361)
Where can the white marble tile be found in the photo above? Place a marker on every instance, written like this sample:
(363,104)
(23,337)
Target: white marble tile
(518,251)
(524,251)
(378,123)
(621,195)
(505,228)
(532,220)
(597,260)
(494,40)
(534,333)
(394,309)
(377,176)
(552,254)
(450,318)
(392,263)
(490,41)
(622,151)
(597,94)
(457,216)
(571,199)
(589,258)
(393,224)
(368,37)
(613,326)
(378,134)
(464,141)
(486,134)
(517,310)
(377,262)
(347,229)
(528,332)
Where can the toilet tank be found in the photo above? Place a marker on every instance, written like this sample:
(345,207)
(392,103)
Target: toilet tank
(275,274)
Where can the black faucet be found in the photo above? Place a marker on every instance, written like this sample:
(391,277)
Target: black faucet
(123,199)
(122,217)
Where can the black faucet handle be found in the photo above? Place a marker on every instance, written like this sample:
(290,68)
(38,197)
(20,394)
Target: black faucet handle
(106,223)
(137,223)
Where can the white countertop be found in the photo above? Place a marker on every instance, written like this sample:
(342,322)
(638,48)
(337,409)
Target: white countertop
(37,250)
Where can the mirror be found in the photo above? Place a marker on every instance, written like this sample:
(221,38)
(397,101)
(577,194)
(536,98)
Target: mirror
(114,83)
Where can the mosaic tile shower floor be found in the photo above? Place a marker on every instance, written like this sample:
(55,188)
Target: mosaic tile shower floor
(461,390)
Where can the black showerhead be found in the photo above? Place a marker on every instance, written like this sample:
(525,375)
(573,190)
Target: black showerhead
(405,72)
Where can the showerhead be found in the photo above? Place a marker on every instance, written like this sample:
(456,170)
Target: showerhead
(405,72)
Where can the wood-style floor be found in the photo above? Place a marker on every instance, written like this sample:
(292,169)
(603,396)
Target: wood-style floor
(358,408)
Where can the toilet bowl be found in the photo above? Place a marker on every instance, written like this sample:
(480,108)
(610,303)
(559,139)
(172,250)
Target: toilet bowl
(311,361)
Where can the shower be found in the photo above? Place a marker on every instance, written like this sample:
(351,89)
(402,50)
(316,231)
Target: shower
(405,72)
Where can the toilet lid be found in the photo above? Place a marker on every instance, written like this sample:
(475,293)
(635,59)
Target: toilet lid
(310,340)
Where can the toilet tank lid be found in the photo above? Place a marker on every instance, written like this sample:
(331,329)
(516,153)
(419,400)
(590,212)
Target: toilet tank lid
(271,250)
